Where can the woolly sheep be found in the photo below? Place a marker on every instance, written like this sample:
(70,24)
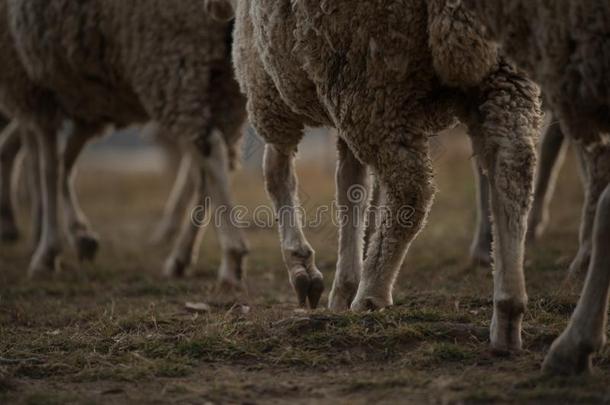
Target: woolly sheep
(367,69)
(564,46)
(116,62)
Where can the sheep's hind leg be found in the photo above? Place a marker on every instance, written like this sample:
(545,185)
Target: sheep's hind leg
(45,258)
(404,171)
(10,144)
(586,333)
(552,153)
(352,198)
(80,234)
(213,191)
(299,256)
(232,241)
(184,252)
(505,147)
(596,159)
(177,203)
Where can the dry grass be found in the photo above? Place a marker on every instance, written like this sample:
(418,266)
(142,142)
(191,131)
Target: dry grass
(115,331)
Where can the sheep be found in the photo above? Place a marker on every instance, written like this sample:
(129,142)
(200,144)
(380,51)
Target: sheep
(366,68)
(564,47)
(115,62)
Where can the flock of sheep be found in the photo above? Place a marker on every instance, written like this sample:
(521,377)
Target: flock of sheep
(387,74)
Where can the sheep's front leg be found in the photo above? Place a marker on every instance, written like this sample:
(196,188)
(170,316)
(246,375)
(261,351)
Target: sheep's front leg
(10,144)
(480,249)
(586,333)
(45,259)
(552,152)
(80,234)
(596,159)
(404,171)
(178,202)
(281,183)
(352,198)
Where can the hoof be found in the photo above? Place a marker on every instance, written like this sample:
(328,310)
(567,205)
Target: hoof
(506,329)
(308,288)
(567,358)
(174,268)
(86,247)
(369,303)
(316,288)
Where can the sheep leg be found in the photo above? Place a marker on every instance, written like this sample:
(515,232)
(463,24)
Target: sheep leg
(45,259)
(34,183)
(299,256)
(184,252)
(586,333)
(506,150)
(404,171)
(510,201)
(10,144)
(80,235)
(510,204)
(178,201)
(480,249)
(215,166)
(232,241)
(596,159)
(352,198)
(552,153)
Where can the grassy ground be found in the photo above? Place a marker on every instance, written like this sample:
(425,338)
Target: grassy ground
(116,332)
